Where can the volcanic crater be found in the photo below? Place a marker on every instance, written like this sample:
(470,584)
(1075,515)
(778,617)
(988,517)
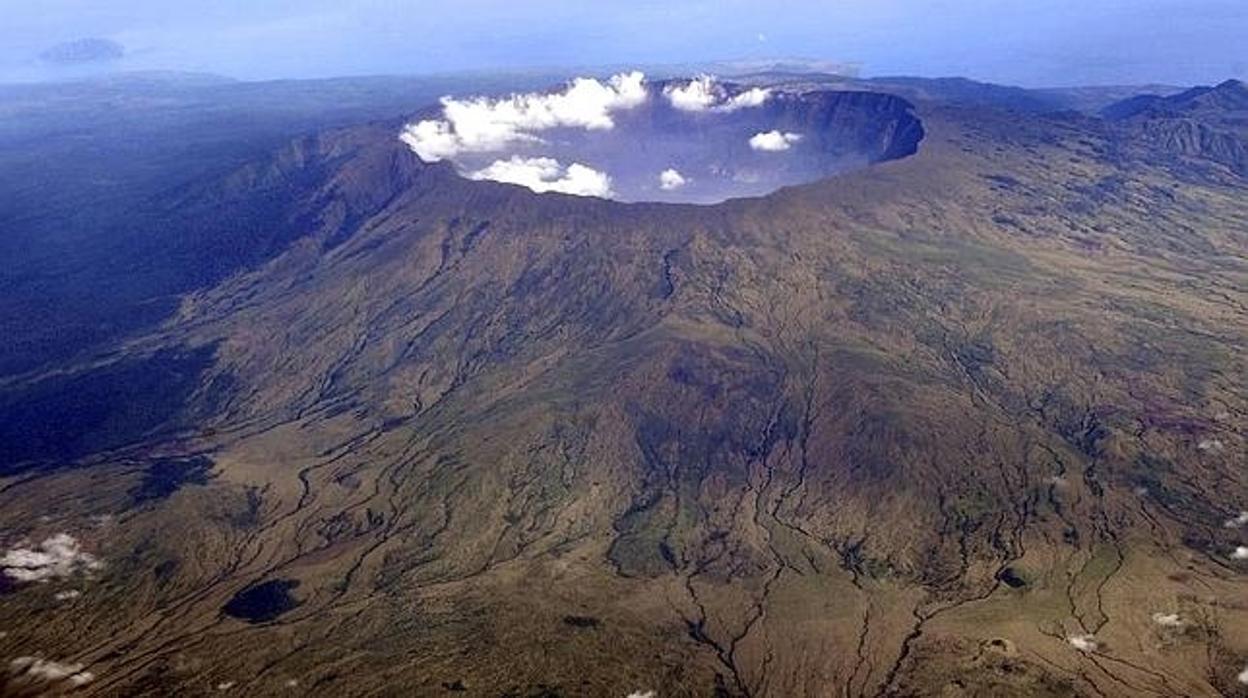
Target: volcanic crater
(679,141)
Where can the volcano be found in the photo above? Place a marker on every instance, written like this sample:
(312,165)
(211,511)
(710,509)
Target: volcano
(952,403)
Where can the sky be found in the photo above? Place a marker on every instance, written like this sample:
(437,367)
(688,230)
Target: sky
(1023,42)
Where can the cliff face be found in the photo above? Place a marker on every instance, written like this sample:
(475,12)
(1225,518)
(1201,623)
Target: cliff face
(872,126)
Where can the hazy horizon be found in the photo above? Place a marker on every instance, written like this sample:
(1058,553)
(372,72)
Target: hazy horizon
(1031,44)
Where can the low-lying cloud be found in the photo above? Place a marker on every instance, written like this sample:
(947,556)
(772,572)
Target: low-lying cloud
(1168,620)
(484,125)
(39,670)
(1209,445)
(1083,643)
(704,93)
(59,556)
(547,174)
(774,141)
(1237,521)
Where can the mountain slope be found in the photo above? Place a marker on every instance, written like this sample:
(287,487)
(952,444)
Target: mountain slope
(906,431)
(1205,123)
(103,211)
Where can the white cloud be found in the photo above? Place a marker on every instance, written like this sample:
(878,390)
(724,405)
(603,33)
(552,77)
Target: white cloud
(1169,620)
(432,140)
(773,141)
(58,556)
(704,93)
(483,125)
(1243,676)
(1241,553)
(546,174)
(753,97)
(1083,643)
(651,694)
(67,595)
(697,95)
(670,179)
(1209,445)
(38,669)
(1238,521)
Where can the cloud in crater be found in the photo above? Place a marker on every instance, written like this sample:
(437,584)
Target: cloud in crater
(671,180)
(704,93)
(484,125)
(774,141)
(547,175)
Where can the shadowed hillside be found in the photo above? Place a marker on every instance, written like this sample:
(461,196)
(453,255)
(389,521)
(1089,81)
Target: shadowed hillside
(103,205)
(1195,127)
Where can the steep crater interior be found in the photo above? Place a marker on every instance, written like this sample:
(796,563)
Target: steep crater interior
(694,141)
